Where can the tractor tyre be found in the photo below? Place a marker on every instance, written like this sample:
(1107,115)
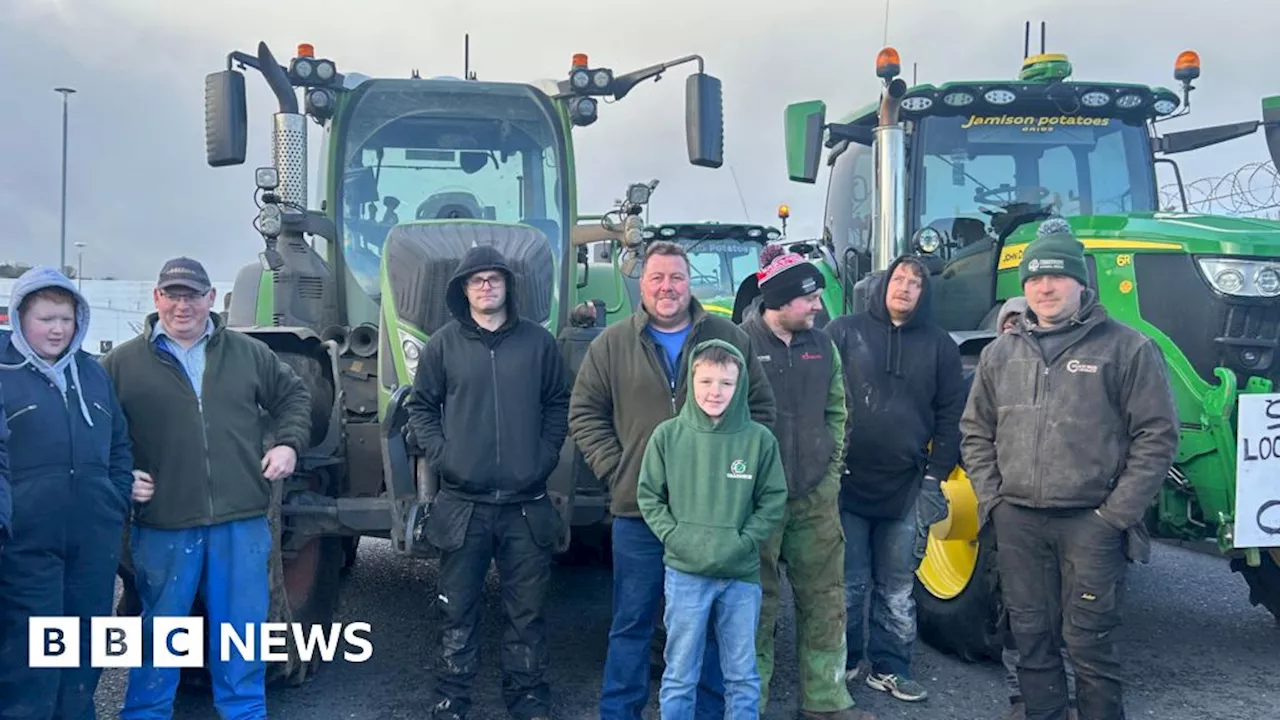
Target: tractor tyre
(964,621)
(1264,580)
(319,383)
(305,583)
(350,551)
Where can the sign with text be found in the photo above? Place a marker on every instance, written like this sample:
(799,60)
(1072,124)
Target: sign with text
(179,642)
(1258,471)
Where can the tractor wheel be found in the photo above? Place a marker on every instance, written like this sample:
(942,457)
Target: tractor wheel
(320,384)
(1264,580)
(957,593)
(306,581)
(350,551)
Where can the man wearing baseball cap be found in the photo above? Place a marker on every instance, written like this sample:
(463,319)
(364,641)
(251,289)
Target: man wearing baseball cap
(1081,409)
(805,373)
(193,392)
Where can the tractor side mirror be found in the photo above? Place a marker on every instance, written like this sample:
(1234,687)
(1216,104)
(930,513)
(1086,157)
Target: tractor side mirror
(704,120)
(1271,126)
(803,124)
(226,121)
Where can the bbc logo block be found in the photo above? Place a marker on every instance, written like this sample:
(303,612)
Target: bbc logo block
(55,642)
(179,642)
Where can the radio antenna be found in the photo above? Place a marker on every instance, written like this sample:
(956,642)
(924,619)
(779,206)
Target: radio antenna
(886,22)
(1042,46)
(1026,41)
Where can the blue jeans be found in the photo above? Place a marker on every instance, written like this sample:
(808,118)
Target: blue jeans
(879,556)
(226,565)
(637,589)
(690,602)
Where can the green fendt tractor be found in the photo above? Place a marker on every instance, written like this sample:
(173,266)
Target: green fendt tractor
(413,172)
(961,175)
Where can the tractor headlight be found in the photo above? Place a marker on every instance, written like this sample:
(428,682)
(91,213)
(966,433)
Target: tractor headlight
(1267,280)
(270,220)
(412,348)
(1242,278)
(928,240)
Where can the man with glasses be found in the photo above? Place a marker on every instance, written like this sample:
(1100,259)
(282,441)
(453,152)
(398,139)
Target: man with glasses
(489,411)
(193,393)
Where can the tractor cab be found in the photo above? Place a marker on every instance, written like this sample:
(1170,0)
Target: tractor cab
(960,174)
(979,160)
(420,156)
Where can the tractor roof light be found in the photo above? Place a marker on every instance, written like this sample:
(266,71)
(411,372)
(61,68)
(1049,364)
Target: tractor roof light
(1130,101)
(888,64)
(1187,66)
(1165,102)
(583,110)
(306,71)
(1000,96)
(1095,98)
(320,103)
(917,103)
(586,80)
(784,212)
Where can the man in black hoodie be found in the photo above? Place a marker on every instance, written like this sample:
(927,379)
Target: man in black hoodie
(905,393)
(489,410)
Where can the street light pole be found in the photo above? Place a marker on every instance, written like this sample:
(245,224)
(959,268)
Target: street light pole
(80,266)
(66,92)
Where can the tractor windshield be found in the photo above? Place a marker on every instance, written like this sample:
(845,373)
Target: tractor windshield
(717,267)
(970,172)
(423,150)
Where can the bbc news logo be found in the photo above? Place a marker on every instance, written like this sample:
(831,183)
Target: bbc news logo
(179,642)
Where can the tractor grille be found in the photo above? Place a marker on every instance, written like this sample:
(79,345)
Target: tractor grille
(1211,329)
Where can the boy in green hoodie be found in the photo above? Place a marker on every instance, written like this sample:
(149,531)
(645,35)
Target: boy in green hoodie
(712,490)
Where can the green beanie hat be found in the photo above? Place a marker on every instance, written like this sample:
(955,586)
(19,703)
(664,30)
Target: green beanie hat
(1055,251)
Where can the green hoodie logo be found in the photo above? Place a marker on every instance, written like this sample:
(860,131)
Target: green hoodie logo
(738,470)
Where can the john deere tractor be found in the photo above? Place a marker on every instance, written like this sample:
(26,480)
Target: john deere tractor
(413,172)
(961,175)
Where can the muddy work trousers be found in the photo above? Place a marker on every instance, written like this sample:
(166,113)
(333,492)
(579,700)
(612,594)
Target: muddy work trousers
(1062,575)
(520,537)
(810,543)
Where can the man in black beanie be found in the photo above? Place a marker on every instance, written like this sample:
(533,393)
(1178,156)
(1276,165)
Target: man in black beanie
(1081,409)
(805,373)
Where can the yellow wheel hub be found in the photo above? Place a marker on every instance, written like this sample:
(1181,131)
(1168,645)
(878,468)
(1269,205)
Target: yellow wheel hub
(952,551)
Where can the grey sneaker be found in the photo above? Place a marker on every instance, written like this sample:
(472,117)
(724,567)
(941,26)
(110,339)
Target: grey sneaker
(855,673)
(900,687)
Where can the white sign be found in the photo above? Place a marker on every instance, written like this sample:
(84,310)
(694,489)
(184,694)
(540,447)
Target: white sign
(1258,471)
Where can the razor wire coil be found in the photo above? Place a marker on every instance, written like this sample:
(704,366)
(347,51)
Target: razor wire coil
(1253,190)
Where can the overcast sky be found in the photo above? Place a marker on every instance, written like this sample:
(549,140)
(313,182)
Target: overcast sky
(140,191)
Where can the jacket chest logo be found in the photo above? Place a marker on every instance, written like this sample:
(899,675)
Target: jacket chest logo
(810,356)
(1075,366)
(738,470)
(763,358)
